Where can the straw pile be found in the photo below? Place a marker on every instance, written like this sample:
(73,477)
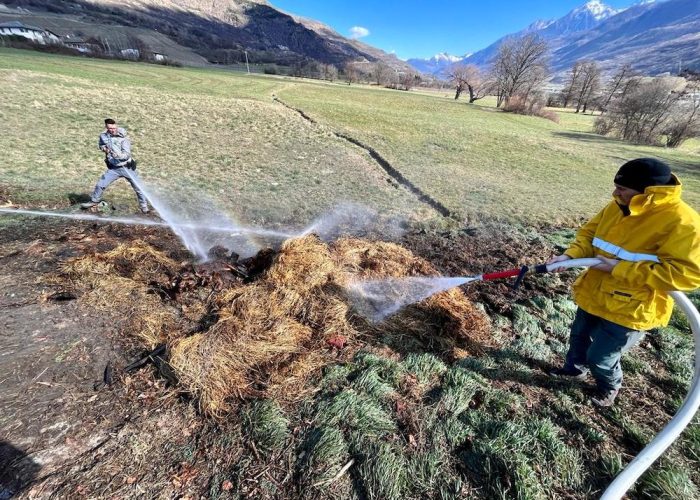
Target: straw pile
(271,335)
(121,281)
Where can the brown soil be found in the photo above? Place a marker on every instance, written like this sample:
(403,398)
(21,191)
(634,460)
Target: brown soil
(63,433)
(53,354)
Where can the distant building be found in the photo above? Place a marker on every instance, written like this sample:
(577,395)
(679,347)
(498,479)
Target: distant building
(130,53)
(38,35)
(79,44)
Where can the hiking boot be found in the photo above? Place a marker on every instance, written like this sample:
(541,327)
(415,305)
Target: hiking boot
(88,205)
(569,373)
(144,210)
(605,399)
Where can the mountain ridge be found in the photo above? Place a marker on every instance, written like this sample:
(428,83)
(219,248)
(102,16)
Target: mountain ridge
(653,36)
(217,29)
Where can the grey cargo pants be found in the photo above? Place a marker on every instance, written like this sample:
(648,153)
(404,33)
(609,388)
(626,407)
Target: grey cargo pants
(112,175)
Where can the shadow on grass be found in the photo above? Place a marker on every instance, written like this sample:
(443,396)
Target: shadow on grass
(17,470)
(75,198)
(589,137)
(678,166)
(535,375)
(573,419)
(681,168)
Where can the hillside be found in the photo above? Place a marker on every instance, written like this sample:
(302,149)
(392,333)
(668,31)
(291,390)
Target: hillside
(217,30)
(116,36)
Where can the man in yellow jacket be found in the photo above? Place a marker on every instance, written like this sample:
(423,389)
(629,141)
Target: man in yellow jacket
(648,240)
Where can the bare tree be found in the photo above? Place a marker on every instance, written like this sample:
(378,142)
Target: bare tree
(329,71)
(617,84)
(457,79)
(685,123)
(351,73)
(408,80)
(520,67)
(469,77)
(572,83)
(644,111)
(382,73)
(589,84)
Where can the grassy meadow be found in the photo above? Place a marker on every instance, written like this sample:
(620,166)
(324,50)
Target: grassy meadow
(414,426)
(220,135)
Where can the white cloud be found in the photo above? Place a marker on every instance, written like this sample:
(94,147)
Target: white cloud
(358,32)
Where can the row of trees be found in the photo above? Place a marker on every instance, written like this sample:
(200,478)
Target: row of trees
(378,73)
(639,109)
(518,70)
(662,110)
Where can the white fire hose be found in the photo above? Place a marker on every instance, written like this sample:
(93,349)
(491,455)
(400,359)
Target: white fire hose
(680,421)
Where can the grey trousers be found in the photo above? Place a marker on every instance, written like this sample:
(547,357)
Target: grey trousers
(112,175)
(598,344)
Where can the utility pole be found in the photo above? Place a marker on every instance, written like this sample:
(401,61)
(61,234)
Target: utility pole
(246,61)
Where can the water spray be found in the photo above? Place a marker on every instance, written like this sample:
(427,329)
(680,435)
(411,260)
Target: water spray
(209,227)
(231,230)
(194,239)
(378,299)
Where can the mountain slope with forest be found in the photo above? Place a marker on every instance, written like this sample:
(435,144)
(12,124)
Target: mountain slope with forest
(220,30)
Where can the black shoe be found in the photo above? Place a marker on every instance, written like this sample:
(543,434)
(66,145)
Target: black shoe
(569,373)
(605,399)
(144,210)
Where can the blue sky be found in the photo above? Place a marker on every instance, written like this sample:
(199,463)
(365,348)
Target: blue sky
(412,28)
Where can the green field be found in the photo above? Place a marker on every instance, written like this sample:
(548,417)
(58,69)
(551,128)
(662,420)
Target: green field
(221,135)
(268,150)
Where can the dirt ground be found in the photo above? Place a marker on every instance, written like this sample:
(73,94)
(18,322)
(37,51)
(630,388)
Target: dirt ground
(65,432)
(53,356)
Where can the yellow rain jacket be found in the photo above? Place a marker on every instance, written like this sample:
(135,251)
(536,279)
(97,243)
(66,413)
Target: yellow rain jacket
(658,244)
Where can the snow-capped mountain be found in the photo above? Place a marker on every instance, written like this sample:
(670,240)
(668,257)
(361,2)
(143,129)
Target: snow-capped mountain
(582,18)
(539,25)
(437,65)
(654,36)
(555,31)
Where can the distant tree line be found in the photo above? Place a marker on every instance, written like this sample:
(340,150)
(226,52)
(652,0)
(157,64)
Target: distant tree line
(663,110)
(646,110)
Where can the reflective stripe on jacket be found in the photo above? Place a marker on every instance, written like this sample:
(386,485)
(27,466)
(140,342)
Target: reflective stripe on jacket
(658,244)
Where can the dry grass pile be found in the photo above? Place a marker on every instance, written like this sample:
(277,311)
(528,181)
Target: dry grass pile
(120,281)
(270,335)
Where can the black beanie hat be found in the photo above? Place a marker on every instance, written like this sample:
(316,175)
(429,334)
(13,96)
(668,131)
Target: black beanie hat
(643,172)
